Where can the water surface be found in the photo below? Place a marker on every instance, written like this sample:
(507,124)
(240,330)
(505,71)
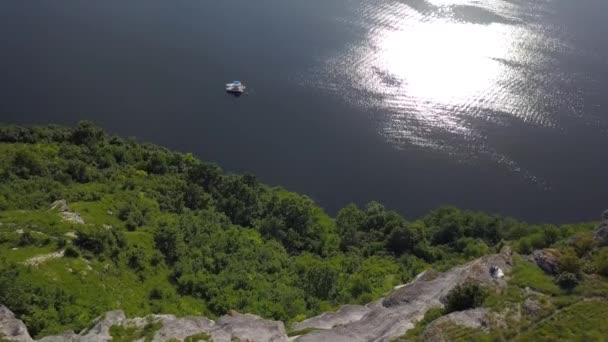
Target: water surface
(485,104)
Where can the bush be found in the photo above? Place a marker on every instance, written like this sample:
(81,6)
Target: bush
(466,296)
(600,262)
(26,239)
(566,280)
(71,252)
(569,262)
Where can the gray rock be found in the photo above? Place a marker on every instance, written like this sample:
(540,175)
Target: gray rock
(71,217)
(382,320)
(68,336)
(100,332)
(346,314)
(532,306)
(180,328)
(64,211)
(474,318)
(12,328)
(547,260)
(247,327)
(60,205)
(404,307)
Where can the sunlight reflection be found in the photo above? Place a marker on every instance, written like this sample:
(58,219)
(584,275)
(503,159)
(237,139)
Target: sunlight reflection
(441,71)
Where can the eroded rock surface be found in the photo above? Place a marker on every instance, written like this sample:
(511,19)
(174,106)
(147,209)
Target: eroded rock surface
(65,213)
(404,307)
(382,320)
(474,318)
(228,328)
(11,328)
(547,260)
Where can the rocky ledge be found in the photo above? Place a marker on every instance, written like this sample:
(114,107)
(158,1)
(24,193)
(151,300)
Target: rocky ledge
(382,320)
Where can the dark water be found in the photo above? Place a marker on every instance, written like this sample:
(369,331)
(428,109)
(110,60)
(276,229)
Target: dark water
(489,105)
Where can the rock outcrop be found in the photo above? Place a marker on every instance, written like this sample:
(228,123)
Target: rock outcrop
(231,327)
(11,328)
(398,312)
(65,213)
(601,234)
(474,318)
(382,320)
(547,260)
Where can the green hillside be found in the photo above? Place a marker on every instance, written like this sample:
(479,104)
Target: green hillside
(147,230)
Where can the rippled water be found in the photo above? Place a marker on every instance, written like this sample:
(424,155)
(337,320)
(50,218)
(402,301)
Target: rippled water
(485,104)
(444,74)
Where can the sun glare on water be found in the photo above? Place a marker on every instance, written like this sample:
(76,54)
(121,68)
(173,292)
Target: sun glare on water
(436,71)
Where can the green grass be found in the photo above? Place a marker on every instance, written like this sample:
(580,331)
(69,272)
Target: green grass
(526,274)
(204,337)
(415,334)
(454,332)
(582,321)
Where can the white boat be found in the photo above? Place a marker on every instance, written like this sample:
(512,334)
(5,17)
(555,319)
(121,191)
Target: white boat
(236,87)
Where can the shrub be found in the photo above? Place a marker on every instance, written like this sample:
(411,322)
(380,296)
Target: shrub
(26,239)
(583,243)
(156,293)
(464,297)
(567,280)
(71,252)
(61,242)
(569,262)
(600,262)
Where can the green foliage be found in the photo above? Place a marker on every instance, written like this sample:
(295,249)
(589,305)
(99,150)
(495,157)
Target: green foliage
(567,280)
(569,262)
(415,334)
(71,252)
(99,241)
(582,321)
(26,239)
(600,262)
(121,333)
(165,232)
(465,296)
(202,337)
(525,274)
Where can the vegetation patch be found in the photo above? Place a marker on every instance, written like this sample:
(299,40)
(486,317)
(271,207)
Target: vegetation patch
(581,321)
(415,334)
(121,333)
(465,296)
(526,274)
(200,337)
(167,233)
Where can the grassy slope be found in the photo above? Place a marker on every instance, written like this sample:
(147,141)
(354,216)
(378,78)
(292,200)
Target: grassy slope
(579,315)
(94,284)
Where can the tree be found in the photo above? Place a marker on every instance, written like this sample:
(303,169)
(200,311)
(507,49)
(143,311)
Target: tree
(87,134)
(348,221)
(170,241)
(292,222)
(321,281)
(402,239)
(27,164)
